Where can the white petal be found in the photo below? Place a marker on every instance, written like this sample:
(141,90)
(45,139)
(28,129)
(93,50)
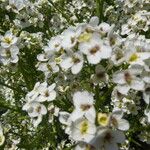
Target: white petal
(52,96)
(123,124)
(66,63)
(137,84)
(82,98)
(51,87)
(76,68)
(118,114)
(94,59)
(63,117)
(14,50)
(37,121)
(119,136)
(43,109)
(94,21)
(41,57)
(41,98)
(123,89)
(91,114)
(118,77)
(146,98)
(106,51)
(76,114)
(111,146)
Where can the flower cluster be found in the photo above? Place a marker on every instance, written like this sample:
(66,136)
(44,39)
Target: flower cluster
(8,48)
(74,75)
(40,94)
(92,129)
(92,44)
(68,49)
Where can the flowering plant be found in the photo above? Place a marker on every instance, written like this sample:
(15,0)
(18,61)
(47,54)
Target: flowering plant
(74,75)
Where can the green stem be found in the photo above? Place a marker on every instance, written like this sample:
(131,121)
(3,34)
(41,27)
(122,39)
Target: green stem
(99,9)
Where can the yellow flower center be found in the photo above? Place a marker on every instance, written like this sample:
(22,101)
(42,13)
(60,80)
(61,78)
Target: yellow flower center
(58,60)
(103,119)
(85,37)
(84,127)
(7,40)
(133,57)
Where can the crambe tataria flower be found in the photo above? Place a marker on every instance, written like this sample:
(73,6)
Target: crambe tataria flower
(128,79)
(107,139)
(117,121)
(75,62)
(83,130)
(95,49)
(83,102)
(8,39)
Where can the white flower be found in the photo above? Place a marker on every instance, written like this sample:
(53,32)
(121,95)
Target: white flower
(17,5)
(21,20)
(47,93)
(117,121)
(52,111)
(9,55)
(48,67)
(35,109)
(128,79)
(32,95)
(114,39)
(70,36)
(125,29)
(132,56)
(118,56)
(75,62)
(8,39)
(94,21)
(54,45)
(107,139)
(42,92)
(95,49)
(64,117)
(104,28)
(83,102)
(36,121)
(83,130)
